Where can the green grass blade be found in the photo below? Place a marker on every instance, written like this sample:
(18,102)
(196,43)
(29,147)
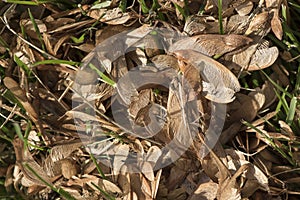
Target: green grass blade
(37,30)
(97,166)
(22,65)
(60,191)
(105,194)
(277,86)
(145,9)
(181,10)
(55,62)
(30,3)
(220,17)
(291,111)
(123,5)
(103,77)
(271,142)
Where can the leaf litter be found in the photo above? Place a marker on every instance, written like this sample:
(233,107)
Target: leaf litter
(249,166)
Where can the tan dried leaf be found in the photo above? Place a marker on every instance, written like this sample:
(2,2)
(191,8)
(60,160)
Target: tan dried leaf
(245,107)
(207,191)
(219,84)
(124,180)
(259,24)
(165,61)
(236,24)
(229,188)
(109,186)
(110,30)
(113,16)
(29,27)
(23,158)
(212,44)
(103,55)
(244,8)
(263,58)
(155,183)
(69,168)
(276,26)
(196,25)
(257,56)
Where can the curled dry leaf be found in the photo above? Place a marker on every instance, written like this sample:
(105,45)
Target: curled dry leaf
(229,188)
(212,44)
(219,84)
(276,25)
(263,58)
(155,183)
(178,173)
(140,186)
(243,108)
(110,30)
(124,180)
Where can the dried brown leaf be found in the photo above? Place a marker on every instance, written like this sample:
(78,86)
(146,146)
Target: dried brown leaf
(205,191)
(69,168)
(139,102)
(259,24)
(155,183)
(276,25)
(109,186)
(48,44)
(219,84)
(263,58)
(29,27)
(244,8)
(113,16)
(110,30)
(57,157)
(71,27)
(246,108)
(24,157)
(257,56)
(59,43)
(13,86)
(229,188)
(124,180)
(105,56)
(211,44)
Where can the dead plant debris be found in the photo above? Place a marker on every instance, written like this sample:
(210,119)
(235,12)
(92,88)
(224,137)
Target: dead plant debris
(86,81)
